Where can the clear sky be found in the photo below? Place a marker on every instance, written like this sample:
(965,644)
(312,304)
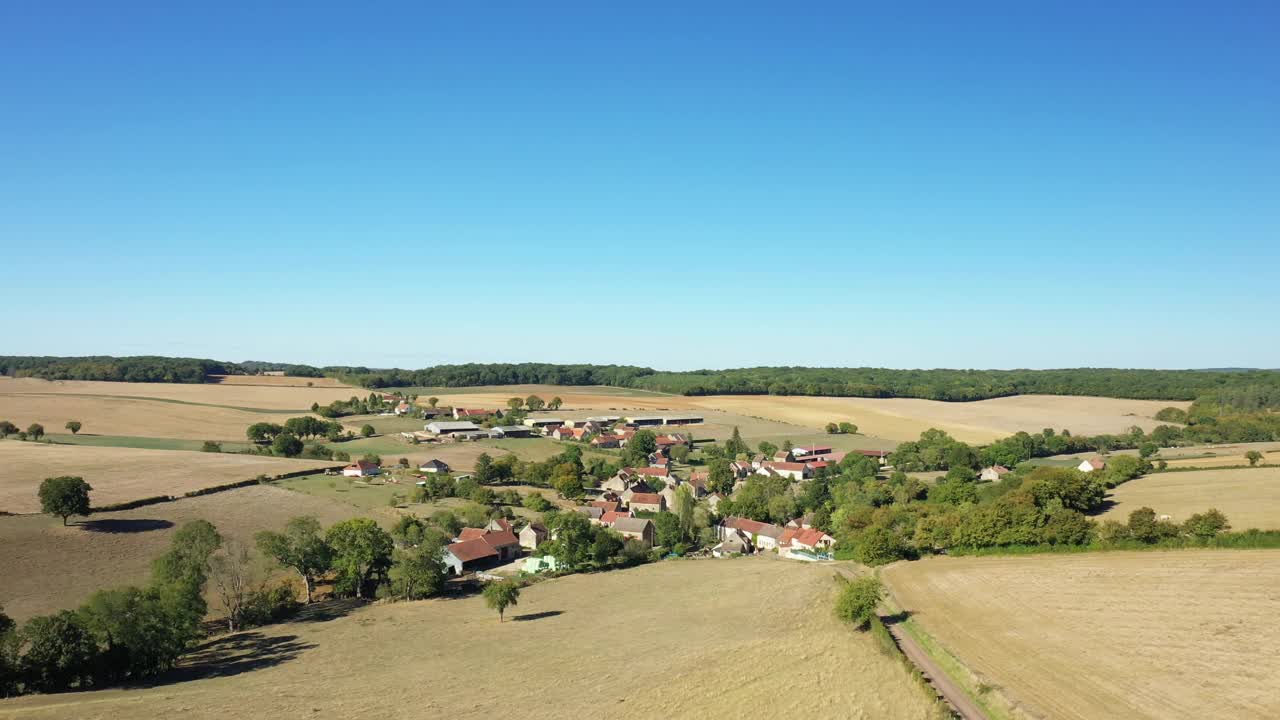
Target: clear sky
(681,185)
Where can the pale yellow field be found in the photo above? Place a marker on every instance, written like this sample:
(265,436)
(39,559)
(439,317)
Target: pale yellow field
(252,396)
(750,638)
(123,474)
(1158,635)
(47,567)
(1249,497)
(978,422)
(575,398)
(278,381)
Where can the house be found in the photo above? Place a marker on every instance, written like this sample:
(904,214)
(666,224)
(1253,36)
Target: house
(606,505)
(880,455)
(593,513)
(564,432)
(783,456)
(609,518)
(636,529)
(734,543)
(660,472)
(741,468)
(510,431)
(542,422)
(1093,463)
(812,539)
(993,473)
(448,428)
(463,413)
(793,470)
(668,495)
(605,442)
(403,408)
(644,420)
(682,420)
(713,501)
(361,468)
(535,565)
(666,442)
(763,536)
(470,533)
(646,502)
(575,423)
(658,461)
(434,466)
(533,535)
(488,548)
(803,522)
(634,487)
(497,525)
(698,483)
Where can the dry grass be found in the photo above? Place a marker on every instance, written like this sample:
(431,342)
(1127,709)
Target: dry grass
(1180,634)
(687,639)
(122,474)
(1249,497)
(265,397)
(128,416)
(978,422)
(47,567)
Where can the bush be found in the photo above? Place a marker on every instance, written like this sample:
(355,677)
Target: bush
(858,599)
(269,605)
(211,446)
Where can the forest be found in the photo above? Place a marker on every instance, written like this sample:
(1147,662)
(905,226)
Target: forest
(1216,390)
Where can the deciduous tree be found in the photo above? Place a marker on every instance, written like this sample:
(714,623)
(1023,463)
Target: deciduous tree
(74,426)
(64,496)
(301,548)
(501,595)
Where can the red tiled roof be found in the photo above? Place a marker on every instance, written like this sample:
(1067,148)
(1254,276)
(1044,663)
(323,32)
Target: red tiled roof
(753,527)
(605,505)
(363,465)
(496,540)
(646,499)
(469,550)
(655,471)
(813,449)
(469,533)
(610,516)
(873,453)
(809,536)
(503,523)
(787,465)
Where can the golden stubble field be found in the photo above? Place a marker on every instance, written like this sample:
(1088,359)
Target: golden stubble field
(682,639)
(1250,497)
(124,474)
(1175,634)
(47,567)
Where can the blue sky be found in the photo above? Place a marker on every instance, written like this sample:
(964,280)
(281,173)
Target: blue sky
(893,184)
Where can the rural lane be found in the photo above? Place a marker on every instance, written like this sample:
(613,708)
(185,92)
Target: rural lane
(951,693)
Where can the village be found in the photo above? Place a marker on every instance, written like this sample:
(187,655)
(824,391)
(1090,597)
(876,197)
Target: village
(631,501)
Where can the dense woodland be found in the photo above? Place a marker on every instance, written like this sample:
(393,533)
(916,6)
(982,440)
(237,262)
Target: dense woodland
(1236,390)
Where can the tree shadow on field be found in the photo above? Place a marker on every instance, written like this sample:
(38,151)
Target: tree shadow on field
(894,619)
(1102,507)
(536,616)
(233,655)
(327,610)
(123,525)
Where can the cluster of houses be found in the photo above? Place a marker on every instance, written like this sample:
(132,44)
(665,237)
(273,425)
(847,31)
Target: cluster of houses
(604,431)
(797,539)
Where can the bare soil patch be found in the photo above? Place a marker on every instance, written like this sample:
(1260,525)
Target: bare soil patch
(700,639)
(1178,634)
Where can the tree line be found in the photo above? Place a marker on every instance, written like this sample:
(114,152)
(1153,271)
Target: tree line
(1241,390)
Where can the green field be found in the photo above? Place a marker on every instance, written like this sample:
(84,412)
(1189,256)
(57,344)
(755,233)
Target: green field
(144,443)
(377,493)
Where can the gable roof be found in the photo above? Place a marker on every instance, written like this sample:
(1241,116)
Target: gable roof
(787,465)
(497,540)
(753,527)
(592,512)
(810,536)
(469,550)
(652,471)
(470,533)
(363,465)
(646,499)
(605,505)
(612,516)
(536,527)
(631,524)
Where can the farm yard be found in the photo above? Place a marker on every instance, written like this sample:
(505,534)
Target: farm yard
(48,567)
(711,639)
(1250,497)
(1182,634)
(123,474)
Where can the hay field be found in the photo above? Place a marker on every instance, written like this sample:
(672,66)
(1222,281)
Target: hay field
(976,422)
(574,397)
(122,474)
(47,567)
(118,416)
(1250,497)
(681,639)
(1177,634)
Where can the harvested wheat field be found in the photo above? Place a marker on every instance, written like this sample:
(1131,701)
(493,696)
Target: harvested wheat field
(123,474)
(574,397)
(976,422)
(1175,634)
(47,567)
(686,639)
(279,381)
(287,398)
(1250,497)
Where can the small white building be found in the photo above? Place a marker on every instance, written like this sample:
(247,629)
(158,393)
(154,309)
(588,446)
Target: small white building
(445,427)
(434,466)
(361,468)
(1092,464)
(993,473)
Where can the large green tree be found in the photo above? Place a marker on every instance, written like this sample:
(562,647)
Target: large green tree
(361,553)
(301,547)
(858,599)
(64,496)
(501,595)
